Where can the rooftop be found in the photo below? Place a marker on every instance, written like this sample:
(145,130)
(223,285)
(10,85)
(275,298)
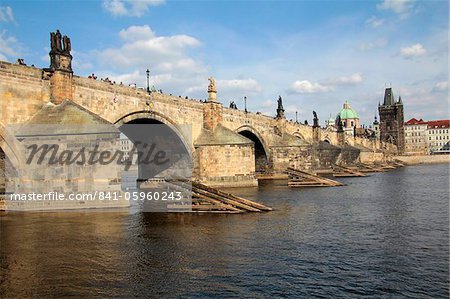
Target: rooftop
(347,112)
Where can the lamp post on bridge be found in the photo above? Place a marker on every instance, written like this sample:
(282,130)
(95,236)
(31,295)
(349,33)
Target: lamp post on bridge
(245,104)
(148,82)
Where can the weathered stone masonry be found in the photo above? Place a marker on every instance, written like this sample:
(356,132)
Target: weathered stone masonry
(223,157)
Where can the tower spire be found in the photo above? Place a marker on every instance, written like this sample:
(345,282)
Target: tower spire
(388,97)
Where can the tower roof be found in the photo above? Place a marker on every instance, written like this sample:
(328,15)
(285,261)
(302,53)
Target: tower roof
(388,97)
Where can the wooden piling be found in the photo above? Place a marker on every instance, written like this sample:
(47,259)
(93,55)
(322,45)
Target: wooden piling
(224,201)
(301,178)
(343,171)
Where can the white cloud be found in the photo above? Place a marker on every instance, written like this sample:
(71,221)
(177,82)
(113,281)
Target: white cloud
(413,51)
(442,86)
(379,43)
(173,68)
(305,86)
(132,8)
(9,46)
(134,33)
(354,79)
(404,8)
(308,87)
(129,78)
(6,14)
(143,48)
(374,22)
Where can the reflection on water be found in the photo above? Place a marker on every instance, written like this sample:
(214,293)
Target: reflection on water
(386,235)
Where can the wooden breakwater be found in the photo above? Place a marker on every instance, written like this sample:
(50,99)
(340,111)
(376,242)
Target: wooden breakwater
(207,199)
(300,178)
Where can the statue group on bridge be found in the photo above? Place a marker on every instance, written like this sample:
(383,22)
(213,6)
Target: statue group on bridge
(233,105)
(315,120)
(280,109)
(60,44)
(212,85)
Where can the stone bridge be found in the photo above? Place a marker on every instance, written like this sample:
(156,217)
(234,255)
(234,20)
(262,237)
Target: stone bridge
(230,147)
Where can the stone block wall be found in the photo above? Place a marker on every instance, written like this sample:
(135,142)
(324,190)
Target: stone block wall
(70,178)
(61,87)
(349,155)
(372,157)
(226,165)
(296,157)
(324,155)
(23,92)
(212,115)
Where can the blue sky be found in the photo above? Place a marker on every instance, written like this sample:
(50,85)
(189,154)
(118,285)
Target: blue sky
(315,54)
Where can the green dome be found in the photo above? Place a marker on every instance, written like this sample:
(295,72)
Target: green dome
(347,112)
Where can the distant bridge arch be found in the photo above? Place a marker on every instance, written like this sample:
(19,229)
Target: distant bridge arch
(262,153)
(299,135)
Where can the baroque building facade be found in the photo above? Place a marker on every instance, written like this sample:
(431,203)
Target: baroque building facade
(438,136)
(415,137)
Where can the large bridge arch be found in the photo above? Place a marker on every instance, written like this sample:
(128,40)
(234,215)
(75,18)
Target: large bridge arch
(183,133)
(170,138)
(262,153)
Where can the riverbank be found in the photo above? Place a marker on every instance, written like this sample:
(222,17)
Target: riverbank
(426,159)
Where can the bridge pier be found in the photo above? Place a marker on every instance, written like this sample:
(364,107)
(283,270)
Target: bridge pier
(223,157)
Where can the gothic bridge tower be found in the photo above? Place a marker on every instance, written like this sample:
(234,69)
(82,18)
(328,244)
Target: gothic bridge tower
(392,120)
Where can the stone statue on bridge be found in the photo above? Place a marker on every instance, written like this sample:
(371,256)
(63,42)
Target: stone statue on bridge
(315,120)
(340,127)
(212,92)
(212,85)
(67,44)
(60,44)
(280,109)
(60,57)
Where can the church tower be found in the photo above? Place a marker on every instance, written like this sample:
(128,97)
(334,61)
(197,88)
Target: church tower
(392,120)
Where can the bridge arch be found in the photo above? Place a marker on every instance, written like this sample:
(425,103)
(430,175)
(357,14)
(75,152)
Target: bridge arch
(299,135)
(327,139)
(169,138)
(262,153)
(158,118)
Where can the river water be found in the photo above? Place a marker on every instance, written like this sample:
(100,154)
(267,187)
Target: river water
(382,236)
